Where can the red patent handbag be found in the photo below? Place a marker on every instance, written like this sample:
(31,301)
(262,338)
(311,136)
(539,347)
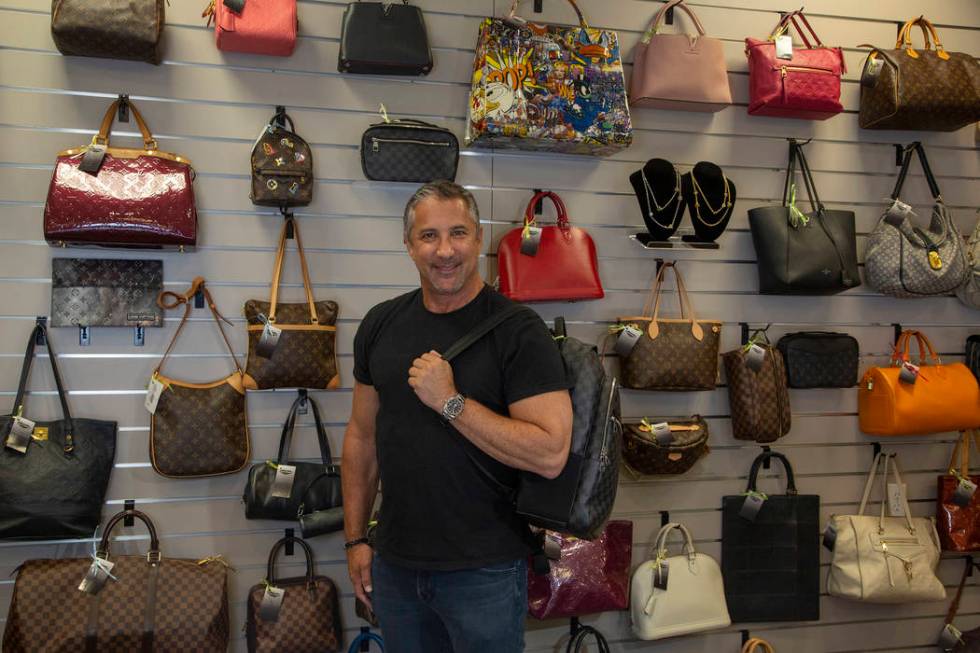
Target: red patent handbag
(806,85)
(128,197)
(590,576)
(959,526)
(563,266)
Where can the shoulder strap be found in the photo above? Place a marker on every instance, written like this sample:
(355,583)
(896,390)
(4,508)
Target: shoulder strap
(955,605)
(277,271)
(916,148)
(25,371)
(480,330)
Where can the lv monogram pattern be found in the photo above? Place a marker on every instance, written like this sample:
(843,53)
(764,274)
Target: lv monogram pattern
(759,401)
(309,619)
(105,292)
(117,29)
(675,360)
(969,292)
(282,169)
(199,431)
(302,359)
(644,454)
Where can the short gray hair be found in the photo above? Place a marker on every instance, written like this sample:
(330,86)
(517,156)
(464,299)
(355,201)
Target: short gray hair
(442,189)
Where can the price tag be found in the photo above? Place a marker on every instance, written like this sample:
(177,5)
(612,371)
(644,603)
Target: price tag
(96,577)
(898,212)
(964,493)
(830,536)
(755,357)
(661,431)
(784,47)
(660,574)
(282,486)
(92,159)
(950,637)
(153,392)
(752,506)
(268,340)
(908,373)
(896,505)
(869,77)
(19,437)
(530,241)
(552,547)
(271,603)
(627,339)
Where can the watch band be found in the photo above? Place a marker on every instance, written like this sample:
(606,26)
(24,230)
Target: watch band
(352,543)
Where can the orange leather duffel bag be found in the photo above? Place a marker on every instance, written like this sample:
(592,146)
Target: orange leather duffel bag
(942,398)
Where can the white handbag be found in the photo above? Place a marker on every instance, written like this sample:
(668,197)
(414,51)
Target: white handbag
(885,559)
(694,599)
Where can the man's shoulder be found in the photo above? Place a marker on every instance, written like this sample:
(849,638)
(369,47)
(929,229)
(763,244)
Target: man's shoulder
(390,307)
(521,320)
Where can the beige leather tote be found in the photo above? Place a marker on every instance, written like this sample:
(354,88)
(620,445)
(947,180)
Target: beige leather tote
(679,71)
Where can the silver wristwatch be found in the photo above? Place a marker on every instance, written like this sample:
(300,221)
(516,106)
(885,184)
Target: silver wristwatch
(453,407)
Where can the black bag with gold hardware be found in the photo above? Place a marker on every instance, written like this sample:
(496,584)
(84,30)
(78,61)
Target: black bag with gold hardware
(282,165)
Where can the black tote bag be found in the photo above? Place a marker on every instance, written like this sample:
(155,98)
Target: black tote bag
(384,38)
(56,489)
(815,254)
(315,486)
(771,566)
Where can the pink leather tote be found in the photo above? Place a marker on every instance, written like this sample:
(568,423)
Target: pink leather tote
(260,27)
(679,71)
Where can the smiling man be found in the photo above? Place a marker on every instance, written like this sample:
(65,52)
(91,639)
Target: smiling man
(448,571)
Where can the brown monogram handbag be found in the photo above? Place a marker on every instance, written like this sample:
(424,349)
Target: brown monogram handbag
(292,345)
(116,29)
(958,517)
(293,615)
(670,353)
(149,603)
(759,399)
(197,429)
(650,449)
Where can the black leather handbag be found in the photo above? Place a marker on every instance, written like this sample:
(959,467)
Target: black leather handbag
(973,355)
(55,488)
(286,490)
(820,359)
(106,292)
(384,38)
(799,253)
(771,565)
(409,150)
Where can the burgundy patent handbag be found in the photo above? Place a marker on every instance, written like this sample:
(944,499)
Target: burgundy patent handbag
(959,526)
(121,197)
(591,576)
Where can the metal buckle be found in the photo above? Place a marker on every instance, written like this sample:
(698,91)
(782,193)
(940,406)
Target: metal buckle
(153,557)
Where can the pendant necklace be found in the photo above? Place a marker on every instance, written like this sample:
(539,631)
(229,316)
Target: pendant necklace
(653,204)
(725,202)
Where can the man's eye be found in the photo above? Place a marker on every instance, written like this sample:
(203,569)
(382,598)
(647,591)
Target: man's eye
(459,233)
(428,235)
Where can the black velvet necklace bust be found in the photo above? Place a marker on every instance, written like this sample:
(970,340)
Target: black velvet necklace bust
(658,190)
(710,198)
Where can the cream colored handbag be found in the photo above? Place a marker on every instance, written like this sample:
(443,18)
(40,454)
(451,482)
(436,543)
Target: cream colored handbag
(885,559)
(694,599)
(756,645)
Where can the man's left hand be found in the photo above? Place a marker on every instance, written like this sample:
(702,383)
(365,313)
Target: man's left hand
(432,379)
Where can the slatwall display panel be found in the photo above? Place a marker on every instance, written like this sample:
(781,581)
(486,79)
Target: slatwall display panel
(209,106)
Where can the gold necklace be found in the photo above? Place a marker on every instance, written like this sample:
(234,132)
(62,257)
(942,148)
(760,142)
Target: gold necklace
(726,202)
(652,200)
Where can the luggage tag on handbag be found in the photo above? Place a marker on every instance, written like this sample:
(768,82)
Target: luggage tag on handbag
(755,356)
(628,337)
(784,47)
(660,573)
(19,437)
(950,637)
(830,536)
(282,485)
(908,373)
(896,505)
(964,492)
(869,77)
(97,575)
(271,603)
(752,505)
(235,5)
(898,212)
(530,240)
(153,392)
(552,546)
(92,160)
(269,339)
(660,431)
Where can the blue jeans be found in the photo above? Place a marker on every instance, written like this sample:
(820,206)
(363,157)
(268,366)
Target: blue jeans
(468,611)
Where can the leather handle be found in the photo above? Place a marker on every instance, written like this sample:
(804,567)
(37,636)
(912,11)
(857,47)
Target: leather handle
(103,550)
(687,310)
(277,271)
(562,220)
(917,149)
(961,452)
(281,119)
(905,34)
(25,371)
(664,535)
(756,643)
(110,116)
(577,642)
(286,439)
(954,606)
(757,464)
(658,19)
(270,574)
(578,12)
(791,17)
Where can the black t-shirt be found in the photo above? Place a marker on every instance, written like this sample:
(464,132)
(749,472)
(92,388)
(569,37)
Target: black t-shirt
(438,511)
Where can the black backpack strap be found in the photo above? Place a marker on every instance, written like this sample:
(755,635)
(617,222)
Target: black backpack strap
(480,330)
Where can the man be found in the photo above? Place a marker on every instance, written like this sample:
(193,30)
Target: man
(448,571)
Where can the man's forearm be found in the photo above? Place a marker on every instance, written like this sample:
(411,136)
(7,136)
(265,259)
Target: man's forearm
(360,485)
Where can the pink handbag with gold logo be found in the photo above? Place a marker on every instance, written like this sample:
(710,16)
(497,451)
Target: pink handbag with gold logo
(254,26)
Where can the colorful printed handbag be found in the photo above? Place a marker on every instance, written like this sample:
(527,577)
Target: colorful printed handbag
(548,88)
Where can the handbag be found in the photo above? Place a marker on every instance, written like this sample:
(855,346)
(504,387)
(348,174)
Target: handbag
(670,353)
(550,263)
(973,354)
(580,636)
(55,488)
(771,565)
(947,399)
(806,84)
(798,253)
(150,602)
(409,150)
(925,89)
(114,196)
(903,260)
(256,26)
(549,88)
(282,165)
(679,71)
(650,449)
(590,576)
(969,291)
(758,398)
(885,559)
(958,521)
(116,29)
(819,359)
(755,644)
(384,38)
(198,429)
(284,489)
(677,595)
(307,619)
(304,354)
(968,642)
(105,292)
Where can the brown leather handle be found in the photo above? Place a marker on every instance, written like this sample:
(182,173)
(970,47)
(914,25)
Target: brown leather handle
(961,451)
(103,550)
(905,34)
(102,138)
(307,551)
(757,643)
(687,310)
(277,271)
(578,12)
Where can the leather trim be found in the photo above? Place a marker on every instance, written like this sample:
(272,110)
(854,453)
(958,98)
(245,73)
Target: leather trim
(240,382)
(129,153)
(334,382)
(294,327)
(151,607)
(665,319)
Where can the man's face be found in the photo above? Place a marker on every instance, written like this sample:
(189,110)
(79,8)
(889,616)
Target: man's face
(445,245)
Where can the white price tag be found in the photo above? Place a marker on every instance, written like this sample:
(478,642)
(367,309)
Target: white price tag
(784,47)
(896,506)
(153,392)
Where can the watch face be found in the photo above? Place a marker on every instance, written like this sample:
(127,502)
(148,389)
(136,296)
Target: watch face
(454,406)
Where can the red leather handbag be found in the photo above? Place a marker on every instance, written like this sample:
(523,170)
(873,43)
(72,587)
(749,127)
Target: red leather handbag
(549,263)
(259,27)
(114,196)
(590,576)
(806,84)
(959,525)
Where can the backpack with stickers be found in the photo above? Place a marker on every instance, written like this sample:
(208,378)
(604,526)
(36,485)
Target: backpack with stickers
(282,165)
(969,292)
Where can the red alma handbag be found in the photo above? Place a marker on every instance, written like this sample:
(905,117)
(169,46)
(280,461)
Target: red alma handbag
(102,195)
(549,263)
(805,85)
(959,525)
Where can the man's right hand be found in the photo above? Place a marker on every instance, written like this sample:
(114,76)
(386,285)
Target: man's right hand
(359,567)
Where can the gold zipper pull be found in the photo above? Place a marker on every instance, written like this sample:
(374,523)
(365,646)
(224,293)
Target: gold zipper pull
(782,72)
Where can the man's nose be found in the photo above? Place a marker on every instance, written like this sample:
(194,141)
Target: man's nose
(445,248)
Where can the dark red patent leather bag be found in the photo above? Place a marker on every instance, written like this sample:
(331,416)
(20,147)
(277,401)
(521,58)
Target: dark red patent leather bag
(591,576)
(959,526)
(129,197)
(563,267)
(807,85)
